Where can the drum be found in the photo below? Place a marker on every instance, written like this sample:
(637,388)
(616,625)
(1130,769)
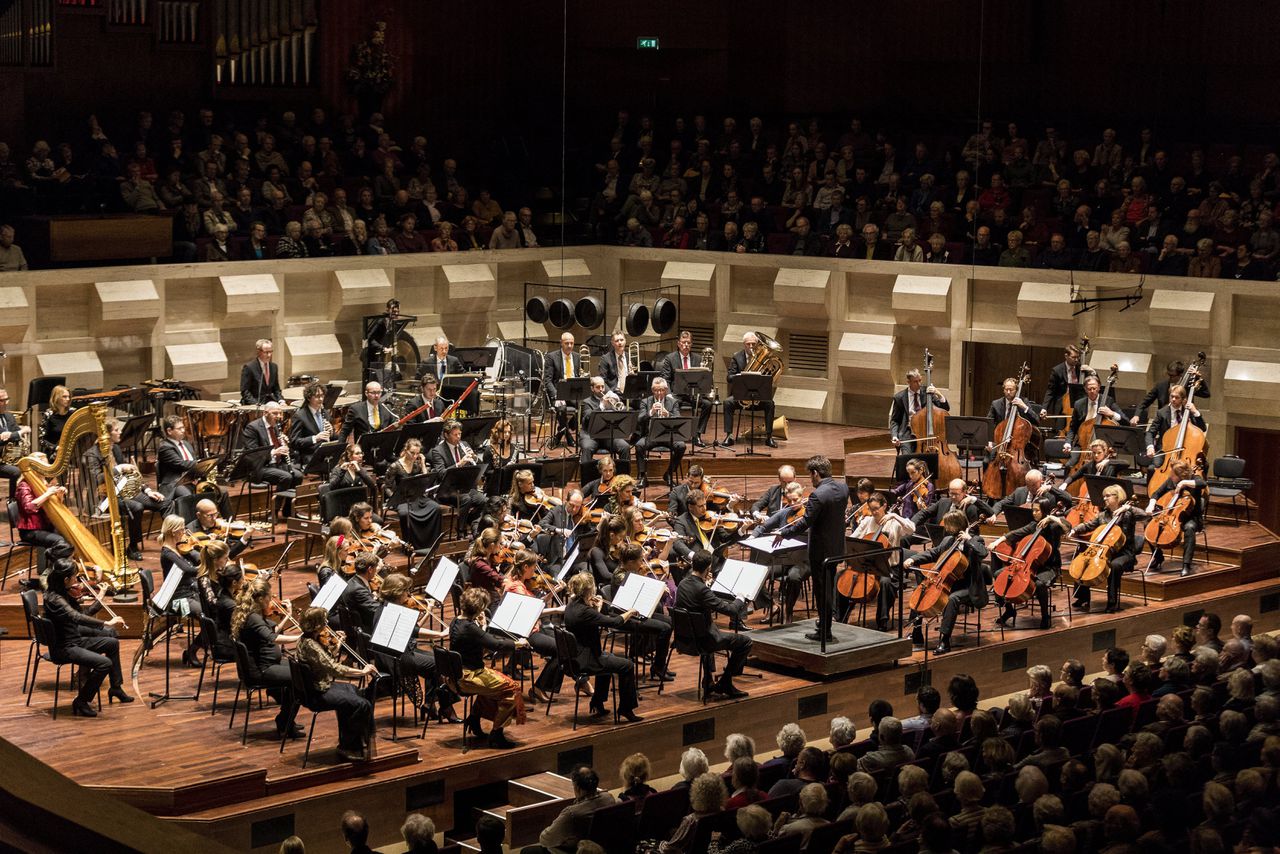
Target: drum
(293,395)
(207,418)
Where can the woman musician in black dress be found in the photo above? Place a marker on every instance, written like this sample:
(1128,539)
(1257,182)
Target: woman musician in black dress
(262,638)
(525,579)
(1121,559)
(350,472)
(438,699)
(420,517)
(89,643)
(1051,529)
(603,557)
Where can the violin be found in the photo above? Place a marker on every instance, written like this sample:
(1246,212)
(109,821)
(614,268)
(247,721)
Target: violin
(857,514)
(718,498)
(1009,466)
(919,491)
(724,521)
(929,426)
(1017,583)
(930,596)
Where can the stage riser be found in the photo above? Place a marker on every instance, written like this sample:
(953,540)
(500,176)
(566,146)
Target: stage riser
(384,801)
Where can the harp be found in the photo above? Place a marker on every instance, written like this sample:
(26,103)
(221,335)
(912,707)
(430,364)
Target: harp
(90,420)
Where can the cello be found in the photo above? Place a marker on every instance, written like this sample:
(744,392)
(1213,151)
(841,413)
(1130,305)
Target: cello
(860,586)
(929,426)
(1092,564)
(1084,436)
(1009,465)
(1017,583)
(1164,530)
(1065,401)
(1184,442)
(930,595)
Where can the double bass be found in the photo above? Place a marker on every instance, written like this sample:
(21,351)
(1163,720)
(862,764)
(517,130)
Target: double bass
(1017,583)
(929,426)
(1185,441)
(1008,467)
(1065,400)
(930,595)
(1087,428)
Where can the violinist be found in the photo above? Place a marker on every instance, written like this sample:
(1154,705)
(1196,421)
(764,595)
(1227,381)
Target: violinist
(916,492)
(480,564)
(794,568)
(678,498)
(497,697)
(699,528)
(603,557)
(1171,417)
(213,557)
(208,524)
(618,448)
(337,550)
(1123,559)
(970,589)
(251,627)
(420,516)
(585,619)
(453,453)
(523,573)
(1184,478)
(89,643)
(1068,376)
(429,397)
(858,500)
(1051,527)
(1088,408)
(358,598)
(602,485)
(369,534)
(279,470)
(1160,392)
(1005,405)
(769,503)
(350,472)
(1102,462)
(131,509)
(185,602)
(658,627)
(957,498)
(355,712)
(1034,489)
(883,522)
(694,595)
(565,524)
(623,490)
(229,578)
(438,700)
(907,403)
(527,500)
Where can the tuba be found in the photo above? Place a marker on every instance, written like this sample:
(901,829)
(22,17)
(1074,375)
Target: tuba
(766,358)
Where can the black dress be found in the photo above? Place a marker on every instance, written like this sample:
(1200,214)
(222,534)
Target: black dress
(420,517)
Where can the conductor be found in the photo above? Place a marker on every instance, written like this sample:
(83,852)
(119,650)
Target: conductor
(824,519)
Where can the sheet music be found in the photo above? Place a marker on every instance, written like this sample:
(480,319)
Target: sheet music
(330,593)
(394,628)
(446,573)
(162,597)
(639,593)
(569,561)
(765,544)
(516,614)
(740,579)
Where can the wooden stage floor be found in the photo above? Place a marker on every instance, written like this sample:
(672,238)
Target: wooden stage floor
(181,761)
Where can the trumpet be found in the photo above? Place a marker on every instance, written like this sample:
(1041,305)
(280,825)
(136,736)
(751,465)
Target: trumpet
(611,401)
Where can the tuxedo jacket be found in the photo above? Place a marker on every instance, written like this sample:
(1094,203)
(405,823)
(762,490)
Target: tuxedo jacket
(1058,386)
(170,466)
(437,408)
(441,456)
(358,422)
(553,371)
(1164,420)
(430,366)
(1000,411)
(670,363)
(254,388)
(900,413)
(824,520)
(608,370)
(1159,395)
(303,429)
(669,403)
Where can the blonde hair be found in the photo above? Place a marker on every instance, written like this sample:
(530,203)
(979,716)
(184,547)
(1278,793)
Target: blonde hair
(172,528)
(55,393)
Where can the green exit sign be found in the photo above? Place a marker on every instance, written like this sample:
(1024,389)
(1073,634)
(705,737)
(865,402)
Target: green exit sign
(646,43)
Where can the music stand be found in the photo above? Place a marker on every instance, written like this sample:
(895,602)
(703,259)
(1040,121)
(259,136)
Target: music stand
(475,358)
(1126,440)
(638,385)
(696,386)
(410,489)
(751,388)
(870,557)
(476,430)
(968,435)
(507,473)
(248,465)
(426,432)
(324,459)
(135,430)
(667,431)
(1017,517)
(458,481)
(455,384)
(900,464)
(1096,483)
(559,473)
(608,426)
(572,392)
(380,448)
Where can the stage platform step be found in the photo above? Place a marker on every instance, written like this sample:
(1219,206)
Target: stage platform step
(855,648)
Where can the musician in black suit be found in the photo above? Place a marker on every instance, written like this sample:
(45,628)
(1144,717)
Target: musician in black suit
(1067,376)
(309,428)
(692,535)
(969,590)
(368,416)
(278,470)
(615,366)
(358,598)
(1087,408)
(737,365)
(1124,559)
(130,509)
(1183,477)
(1179,408)
(90,644)
(451,453)
(10,433)
(379,347)
(769,503)
(1004,405)
(440,363)
(957,498)
(694,595)
(584,618)
(206,522)
(905,404)
(600,400)
(659,404)
(678,498)
(175,457)
(560,365)
(1159,393)
(428,396)
(824,520)
(682,359)
(260,379)
(1034,488)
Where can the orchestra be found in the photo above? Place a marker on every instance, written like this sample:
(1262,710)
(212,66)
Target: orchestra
(1009,538)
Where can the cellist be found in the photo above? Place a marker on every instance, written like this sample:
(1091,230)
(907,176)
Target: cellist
(970,589)
(1088,408)
(881,521)
(1124,557)
(1184,477)
(1159,393)
(1102,463)
(957,498)
(1170,417)
(907,403)
(1034,489)
(1052,528)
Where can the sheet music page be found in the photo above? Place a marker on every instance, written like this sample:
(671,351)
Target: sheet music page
(639,593)
(740,579)
(765,544)
(394,628)
(162,597)
(330,593)
(516,614)
(569,561)
(446,573)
